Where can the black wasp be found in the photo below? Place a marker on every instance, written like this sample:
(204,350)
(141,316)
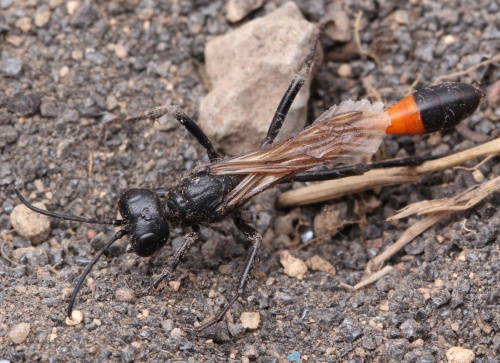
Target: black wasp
(214,192)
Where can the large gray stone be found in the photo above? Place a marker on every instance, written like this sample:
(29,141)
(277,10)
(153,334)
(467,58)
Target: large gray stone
(249,70)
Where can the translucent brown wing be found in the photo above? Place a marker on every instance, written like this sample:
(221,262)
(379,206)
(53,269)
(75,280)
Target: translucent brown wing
(343,134)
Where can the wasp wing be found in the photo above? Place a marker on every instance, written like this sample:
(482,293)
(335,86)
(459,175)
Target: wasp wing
(343,134)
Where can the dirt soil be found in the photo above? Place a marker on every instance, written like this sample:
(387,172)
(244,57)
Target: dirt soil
(67,69)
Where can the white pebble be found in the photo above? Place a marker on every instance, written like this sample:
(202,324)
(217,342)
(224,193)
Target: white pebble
(250,320)
(294,267)
(460,355)
(76,318)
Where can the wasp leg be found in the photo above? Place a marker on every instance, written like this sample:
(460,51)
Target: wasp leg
(185,121)
(253,236)
(290,94)
(357,169)
(189,240)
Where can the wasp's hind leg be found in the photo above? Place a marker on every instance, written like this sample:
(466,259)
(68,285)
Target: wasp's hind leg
(185,121)
(253,236)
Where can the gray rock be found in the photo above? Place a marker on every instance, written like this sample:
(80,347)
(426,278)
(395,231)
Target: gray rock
(23,104)
(250,69)
(6,176)
(85,16)
(5,4)
(127,354)
(36,257)
(48,109)
(12,67)
(8,135)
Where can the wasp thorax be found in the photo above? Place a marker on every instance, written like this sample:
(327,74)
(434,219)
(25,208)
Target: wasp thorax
(148,228)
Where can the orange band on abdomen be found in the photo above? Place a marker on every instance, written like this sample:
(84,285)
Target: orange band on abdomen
(405,118)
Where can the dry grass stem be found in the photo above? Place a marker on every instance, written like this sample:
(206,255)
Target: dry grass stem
(382,177)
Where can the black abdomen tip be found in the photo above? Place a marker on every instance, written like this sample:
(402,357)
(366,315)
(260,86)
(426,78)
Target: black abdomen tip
(443,106)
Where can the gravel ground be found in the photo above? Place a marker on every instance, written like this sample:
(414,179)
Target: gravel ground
(67,69)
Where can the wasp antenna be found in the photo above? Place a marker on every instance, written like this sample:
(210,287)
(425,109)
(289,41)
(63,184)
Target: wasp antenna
(81,279)
(114,222)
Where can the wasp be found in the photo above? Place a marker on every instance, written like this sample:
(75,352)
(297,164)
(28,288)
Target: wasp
(217,191)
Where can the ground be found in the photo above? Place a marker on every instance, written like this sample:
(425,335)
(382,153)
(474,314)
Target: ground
(68,69)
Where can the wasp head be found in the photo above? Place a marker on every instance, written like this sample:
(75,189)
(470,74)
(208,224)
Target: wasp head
(145,223)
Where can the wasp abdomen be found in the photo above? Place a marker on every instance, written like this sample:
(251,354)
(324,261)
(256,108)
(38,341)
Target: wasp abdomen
(434,108)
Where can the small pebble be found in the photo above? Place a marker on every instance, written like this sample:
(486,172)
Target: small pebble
(127,354)
(175,285)
(12,67)
(31,225)
(23,104)
(72,6)
(42,18)
(235,330)
(121,51)
(85,16)
(478,175)
(64,71)
(294,267)
(460,355)
(250,320)
(55,3)
(19,332)
(250,351)
(77,54)
(345,70)
(24,24)
(167,325)
(21,289)
(426,293)
(76,318)
(317,263)
(449,39)
(176,334)
(15,40)
(236,10)
(402,17)
(39,185)
(125,295)
(8,135)
(145,14)
(5,4)
(384,306)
